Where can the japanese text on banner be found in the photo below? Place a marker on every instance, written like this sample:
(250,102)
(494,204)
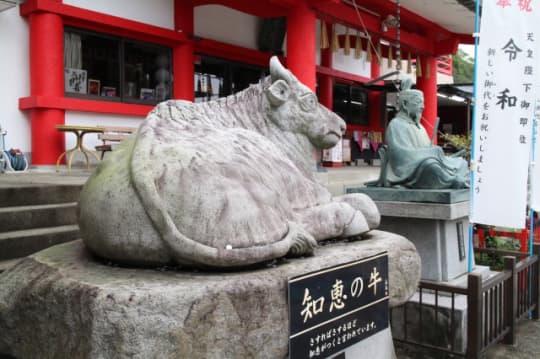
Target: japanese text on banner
(507,88)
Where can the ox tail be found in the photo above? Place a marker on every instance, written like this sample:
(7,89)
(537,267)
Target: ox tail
(186,251)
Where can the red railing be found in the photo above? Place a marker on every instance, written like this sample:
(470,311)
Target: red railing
(444,65)
(522,236)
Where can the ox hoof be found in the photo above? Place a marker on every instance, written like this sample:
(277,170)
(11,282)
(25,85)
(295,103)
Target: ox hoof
(357,226)
(303,244)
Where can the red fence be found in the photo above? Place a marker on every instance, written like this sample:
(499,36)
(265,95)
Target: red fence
(522,236)
(444,65)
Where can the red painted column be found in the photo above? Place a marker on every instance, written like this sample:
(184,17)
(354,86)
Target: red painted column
(183,54)
(301,43)
(326,83)
(46,79)
(374,97)
(428,85)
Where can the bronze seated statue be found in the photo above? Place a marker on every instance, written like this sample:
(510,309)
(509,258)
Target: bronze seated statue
(409,159)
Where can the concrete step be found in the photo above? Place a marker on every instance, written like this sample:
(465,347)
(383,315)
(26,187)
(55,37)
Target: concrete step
(35,194)
(15,244)
(5,264)
(37,216)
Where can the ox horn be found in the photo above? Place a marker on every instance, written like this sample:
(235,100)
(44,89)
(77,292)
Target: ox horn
(277,71)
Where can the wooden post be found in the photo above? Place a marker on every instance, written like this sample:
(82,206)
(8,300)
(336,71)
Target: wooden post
(474,313)
(536,282)
(183,54)
(47,80)
(510,299)
(301,30)
(428,85)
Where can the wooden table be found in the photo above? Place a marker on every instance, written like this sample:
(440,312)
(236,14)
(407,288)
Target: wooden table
(79,131)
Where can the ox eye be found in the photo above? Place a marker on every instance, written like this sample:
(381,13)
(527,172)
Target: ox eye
(308,102)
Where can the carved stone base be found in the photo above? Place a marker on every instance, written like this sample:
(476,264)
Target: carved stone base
(62,303)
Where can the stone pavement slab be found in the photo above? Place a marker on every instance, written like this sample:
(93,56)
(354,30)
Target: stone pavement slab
(527,343)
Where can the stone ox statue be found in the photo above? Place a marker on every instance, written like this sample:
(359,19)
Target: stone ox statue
(222,183)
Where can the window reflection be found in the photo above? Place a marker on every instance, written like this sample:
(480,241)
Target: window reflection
(115,69)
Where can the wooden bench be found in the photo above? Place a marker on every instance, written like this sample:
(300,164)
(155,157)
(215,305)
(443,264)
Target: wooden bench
(112,134)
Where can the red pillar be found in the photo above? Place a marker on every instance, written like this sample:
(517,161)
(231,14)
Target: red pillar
(326,83)
(428,85)
(301,43)
(326,86)
(374,97)
(46,79)
(183,54)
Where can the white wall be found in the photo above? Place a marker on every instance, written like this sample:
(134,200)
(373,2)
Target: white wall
(348,63)
(223,24)
(15,78)
(153,12)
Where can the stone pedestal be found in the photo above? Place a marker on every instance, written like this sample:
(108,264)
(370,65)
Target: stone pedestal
(62,303)
(440,231)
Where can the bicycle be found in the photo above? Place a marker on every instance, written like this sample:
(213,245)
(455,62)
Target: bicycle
(13,160)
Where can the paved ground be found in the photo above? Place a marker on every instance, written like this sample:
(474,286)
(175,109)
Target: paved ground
(527,343)
(335,178)
(11,179)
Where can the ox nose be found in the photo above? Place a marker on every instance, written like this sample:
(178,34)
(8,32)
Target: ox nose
(342,126)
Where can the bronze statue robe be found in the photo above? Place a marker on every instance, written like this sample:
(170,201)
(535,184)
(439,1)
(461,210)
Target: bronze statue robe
(413,162)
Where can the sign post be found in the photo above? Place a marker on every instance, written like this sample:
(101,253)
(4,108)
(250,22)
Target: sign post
(336,307)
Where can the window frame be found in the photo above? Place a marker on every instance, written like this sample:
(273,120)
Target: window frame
(347,116)
(121,98)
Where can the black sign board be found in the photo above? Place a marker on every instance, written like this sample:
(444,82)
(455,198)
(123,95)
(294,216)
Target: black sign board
(336,307)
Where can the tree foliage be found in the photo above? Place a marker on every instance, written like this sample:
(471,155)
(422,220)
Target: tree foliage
(463,67)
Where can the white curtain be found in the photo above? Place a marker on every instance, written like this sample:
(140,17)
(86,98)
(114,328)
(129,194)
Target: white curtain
(72,51)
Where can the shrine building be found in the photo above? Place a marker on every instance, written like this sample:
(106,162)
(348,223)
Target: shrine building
(108,63)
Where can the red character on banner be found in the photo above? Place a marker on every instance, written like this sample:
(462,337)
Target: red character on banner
(525,5)
(504,3)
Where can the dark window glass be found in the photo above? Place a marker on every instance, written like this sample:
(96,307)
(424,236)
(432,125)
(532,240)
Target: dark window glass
(216,77)
(116,69)
(359,106)
(341,100)
(351,103)
(147,72)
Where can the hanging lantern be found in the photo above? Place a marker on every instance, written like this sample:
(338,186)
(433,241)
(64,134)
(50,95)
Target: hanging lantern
(418,66)
(335,39)
(409,63)
(358,46)
(324,36)
(398,58)
(390,57)
(378,53)
(347,44)
(428,70)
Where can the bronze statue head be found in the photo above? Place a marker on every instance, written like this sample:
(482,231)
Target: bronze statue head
(411,102)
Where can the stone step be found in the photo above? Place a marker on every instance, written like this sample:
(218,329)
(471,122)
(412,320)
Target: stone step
(15,244)
(35,194)
(37,216)
(5,264)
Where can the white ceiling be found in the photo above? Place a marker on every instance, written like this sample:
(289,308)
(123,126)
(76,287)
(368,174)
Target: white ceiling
(449,14)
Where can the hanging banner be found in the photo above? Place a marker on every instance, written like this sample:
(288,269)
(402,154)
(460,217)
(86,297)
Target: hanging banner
(535,169)
(506,89)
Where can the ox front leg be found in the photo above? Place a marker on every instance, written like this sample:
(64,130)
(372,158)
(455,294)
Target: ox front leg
(333,220)
(363,203)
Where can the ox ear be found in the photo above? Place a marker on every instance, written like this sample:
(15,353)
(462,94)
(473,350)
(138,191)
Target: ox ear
(278,92)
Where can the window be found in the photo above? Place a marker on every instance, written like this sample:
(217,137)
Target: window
(351,103)
(215,77)
(115,69)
